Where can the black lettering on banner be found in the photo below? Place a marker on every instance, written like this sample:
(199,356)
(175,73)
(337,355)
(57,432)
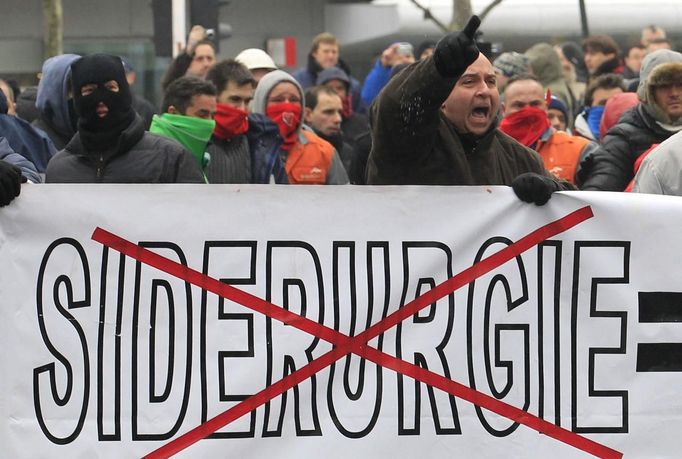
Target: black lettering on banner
(215,366)
(159,402)
(434,258)
(47,394)
(284,261)
(108,357)
(513,300)
(604,257)
(659,307)
(553,282)
(344,273)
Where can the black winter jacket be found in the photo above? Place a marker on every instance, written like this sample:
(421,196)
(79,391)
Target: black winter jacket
(611,166)
(139,157)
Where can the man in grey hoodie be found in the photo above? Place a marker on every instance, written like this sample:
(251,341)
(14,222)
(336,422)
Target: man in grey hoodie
(308,159)
(546,66)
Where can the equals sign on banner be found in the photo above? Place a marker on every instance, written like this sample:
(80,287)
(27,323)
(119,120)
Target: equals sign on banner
(659,307)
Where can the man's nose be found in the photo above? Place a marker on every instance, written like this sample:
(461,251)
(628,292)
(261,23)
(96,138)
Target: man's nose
(482,89)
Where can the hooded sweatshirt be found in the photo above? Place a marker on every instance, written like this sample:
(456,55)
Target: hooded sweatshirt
(335,173)
(265,86)
(546,66)
(52,100)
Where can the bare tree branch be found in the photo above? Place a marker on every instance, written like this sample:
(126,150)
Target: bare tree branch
(461,12)
(428,15)
(488,9)
(53,27)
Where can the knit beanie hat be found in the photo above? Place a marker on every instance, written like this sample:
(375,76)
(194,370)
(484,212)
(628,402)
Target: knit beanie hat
(511,63)
(574,54)
(558,104)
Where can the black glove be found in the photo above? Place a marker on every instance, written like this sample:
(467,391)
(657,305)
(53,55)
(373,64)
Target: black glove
(457,50)
(10,182)
(532,187)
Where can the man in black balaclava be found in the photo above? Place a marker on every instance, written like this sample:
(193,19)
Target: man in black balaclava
(102,100)
(111,144)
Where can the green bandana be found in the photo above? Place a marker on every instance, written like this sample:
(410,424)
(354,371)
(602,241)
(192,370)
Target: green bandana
(193,133)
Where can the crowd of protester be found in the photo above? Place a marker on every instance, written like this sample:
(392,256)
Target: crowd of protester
(563,116)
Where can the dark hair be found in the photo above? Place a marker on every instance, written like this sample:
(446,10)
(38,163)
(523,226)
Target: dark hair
(630,48)
(601,44)
(180,92)
(606,81)
(313,94)
(179,65)
(229,70)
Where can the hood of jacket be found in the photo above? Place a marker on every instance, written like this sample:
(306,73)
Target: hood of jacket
(333,73)
(265,86)
(658,68)
(53,93)
(4,107)
(615,106)
(544,62)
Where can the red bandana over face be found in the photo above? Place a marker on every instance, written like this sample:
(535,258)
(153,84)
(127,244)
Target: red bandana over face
(526,125)
(287,116)
(230,122)
(347,109)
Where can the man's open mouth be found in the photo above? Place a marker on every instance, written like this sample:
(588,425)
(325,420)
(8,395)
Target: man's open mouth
(480,112)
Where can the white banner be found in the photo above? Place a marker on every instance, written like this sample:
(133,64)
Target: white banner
(146,320)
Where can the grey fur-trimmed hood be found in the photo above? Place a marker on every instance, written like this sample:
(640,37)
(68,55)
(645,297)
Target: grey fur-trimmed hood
(658,68)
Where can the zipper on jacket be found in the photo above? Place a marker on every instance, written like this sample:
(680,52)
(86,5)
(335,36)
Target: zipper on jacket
(100,166)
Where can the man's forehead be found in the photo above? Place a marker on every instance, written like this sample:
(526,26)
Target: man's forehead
(329,99)
(525,88)
(480,66)
(232,85)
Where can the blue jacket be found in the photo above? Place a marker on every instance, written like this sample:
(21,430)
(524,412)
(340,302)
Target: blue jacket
(30,142)
(28,170)
(264,142)
(376,79)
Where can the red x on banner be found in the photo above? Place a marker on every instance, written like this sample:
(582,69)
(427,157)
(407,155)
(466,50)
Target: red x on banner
(344,345)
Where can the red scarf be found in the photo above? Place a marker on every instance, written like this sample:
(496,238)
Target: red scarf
(230,122)
(287,116)
(526,125)
(347,107)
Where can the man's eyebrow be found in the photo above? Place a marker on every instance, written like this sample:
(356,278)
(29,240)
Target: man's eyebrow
(469,75)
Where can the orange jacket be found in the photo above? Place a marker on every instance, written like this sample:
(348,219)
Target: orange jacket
(309,160)
(561,153)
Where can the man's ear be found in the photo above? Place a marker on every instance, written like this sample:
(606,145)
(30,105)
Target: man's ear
(307,114)
(172,110)
(502,108)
